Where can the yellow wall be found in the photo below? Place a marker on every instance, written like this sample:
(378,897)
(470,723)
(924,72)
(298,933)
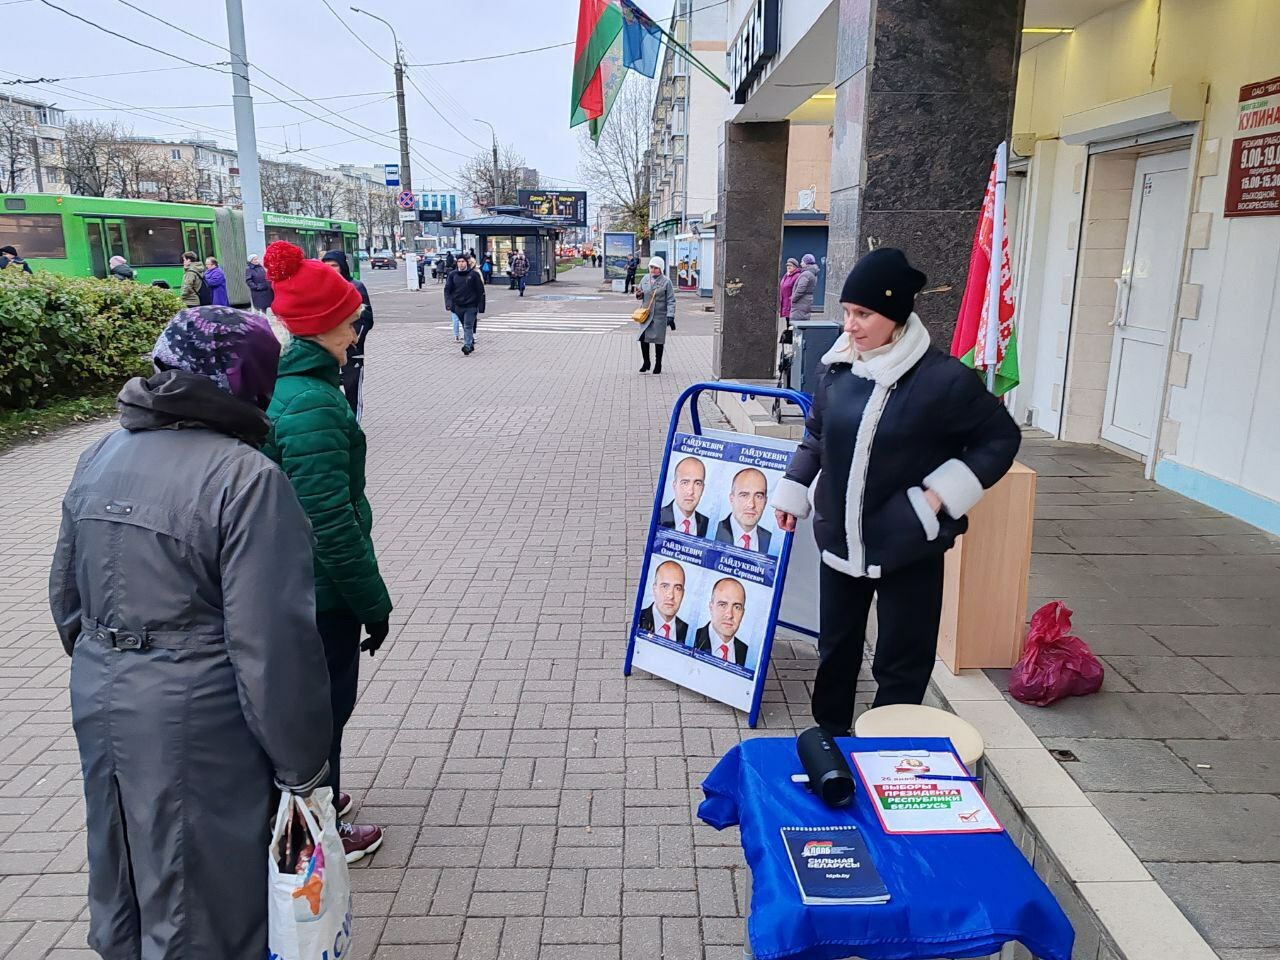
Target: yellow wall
(809,164)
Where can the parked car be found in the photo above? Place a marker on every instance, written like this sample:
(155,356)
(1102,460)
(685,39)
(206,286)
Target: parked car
(384,260)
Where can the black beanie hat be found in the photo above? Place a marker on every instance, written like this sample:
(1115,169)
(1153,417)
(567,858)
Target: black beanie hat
(883,281)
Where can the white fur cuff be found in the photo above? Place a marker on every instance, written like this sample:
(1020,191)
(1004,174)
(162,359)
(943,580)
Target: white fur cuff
(928,519)
(791,497)
(957,487)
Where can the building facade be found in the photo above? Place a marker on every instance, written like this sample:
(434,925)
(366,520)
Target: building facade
(193,169)
(682,167)
(32,135)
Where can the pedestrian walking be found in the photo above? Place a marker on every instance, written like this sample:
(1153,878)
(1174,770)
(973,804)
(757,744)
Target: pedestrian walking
(464,298)
(353,370)
(194,291)
(633,266)
(9,258)
(119,269)
(450,263)
(181,587)
(511,277)
(785,287)
(900,445)
(660,297)
(217,281)
(486,268)
(803,288)
(520,270)
(255,278)
(321,447)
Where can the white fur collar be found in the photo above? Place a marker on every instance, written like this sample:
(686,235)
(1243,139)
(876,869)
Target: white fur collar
(885,368)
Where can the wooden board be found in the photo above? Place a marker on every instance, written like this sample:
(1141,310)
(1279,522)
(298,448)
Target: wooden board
(984,599)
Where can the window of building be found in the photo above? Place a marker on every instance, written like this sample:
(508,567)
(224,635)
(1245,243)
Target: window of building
(52,175)
(175,154)
(48,146)
(36,235)
(154,242)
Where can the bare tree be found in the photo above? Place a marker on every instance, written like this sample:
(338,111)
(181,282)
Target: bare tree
(16,158)
(492,186)
(614,167)
(171,179)
(369,208)
(88,156)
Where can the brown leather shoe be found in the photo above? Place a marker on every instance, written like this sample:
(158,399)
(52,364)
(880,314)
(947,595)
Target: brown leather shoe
(359,840)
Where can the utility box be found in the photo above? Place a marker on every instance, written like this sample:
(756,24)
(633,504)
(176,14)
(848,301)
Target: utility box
(810,340)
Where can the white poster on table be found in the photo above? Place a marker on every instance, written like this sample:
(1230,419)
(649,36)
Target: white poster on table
(923,791)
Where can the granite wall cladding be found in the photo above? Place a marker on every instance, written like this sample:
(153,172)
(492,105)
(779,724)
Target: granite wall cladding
(923,96)
(752,198)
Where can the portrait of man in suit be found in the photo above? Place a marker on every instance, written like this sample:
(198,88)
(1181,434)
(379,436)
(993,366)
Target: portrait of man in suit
(720,636)
(668,593)
(682,512)
(748,497)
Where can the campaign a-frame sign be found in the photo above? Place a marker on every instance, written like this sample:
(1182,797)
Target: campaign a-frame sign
(711,584)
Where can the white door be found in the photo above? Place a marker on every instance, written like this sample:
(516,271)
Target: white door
(1146,299)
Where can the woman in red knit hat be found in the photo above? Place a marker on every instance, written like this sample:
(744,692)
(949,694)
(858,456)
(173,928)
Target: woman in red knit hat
(322,450)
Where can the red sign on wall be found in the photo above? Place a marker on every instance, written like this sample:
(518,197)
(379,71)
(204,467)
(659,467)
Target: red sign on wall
(1253,179)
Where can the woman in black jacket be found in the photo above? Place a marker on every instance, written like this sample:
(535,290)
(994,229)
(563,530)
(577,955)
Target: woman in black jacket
(353,370)
(901,443)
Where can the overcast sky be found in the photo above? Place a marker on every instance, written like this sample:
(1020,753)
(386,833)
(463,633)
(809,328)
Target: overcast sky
(303,44)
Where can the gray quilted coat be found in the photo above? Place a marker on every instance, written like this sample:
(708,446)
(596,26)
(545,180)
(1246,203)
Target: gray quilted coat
(664,307)
(182,590)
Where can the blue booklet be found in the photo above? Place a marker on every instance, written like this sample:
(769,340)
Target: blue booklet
(833,865)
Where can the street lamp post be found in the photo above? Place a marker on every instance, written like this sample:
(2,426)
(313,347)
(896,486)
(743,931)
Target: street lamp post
(406,174)
(493,133)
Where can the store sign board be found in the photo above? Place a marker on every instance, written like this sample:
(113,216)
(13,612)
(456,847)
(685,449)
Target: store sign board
(1253,178)
(754,46)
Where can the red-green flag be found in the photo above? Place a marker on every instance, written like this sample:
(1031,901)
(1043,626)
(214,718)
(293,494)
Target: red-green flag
(599,25)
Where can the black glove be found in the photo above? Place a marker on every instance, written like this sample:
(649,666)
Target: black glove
(671,324)
(377,632)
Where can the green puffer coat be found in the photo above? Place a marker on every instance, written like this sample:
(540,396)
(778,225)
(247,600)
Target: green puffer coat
(321,447)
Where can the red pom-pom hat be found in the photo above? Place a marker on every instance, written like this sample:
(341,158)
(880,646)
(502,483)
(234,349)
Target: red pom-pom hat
(310,297)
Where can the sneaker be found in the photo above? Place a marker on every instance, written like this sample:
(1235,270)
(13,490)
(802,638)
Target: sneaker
(359,840)
(343,805)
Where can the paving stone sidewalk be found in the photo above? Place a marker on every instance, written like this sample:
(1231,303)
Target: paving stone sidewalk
(512,491)
(1180,750)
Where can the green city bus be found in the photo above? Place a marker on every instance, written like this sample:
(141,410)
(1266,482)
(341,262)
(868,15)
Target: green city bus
(78,236)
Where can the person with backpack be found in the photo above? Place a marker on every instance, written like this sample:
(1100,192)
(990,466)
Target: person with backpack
(195,292)
(9,257)
(520,270)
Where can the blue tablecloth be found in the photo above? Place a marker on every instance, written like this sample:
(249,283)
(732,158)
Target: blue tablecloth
(952,895)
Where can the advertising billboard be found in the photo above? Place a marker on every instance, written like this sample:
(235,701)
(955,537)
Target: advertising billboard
(566,207)
(618,250)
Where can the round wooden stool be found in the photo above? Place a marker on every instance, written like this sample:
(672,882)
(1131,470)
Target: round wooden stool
(913,720)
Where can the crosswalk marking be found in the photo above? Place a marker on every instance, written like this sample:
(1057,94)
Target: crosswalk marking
(594,323)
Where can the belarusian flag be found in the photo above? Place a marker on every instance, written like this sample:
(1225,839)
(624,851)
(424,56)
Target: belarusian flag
(969,342)
(599,25)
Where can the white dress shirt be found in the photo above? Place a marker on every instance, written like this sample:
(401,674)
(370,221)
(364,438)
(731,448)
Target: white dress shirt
(681,519)
(753,538)
(659,621)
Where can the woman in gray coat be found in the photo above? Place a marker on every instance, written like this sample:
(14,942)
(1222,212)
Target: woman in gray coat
(802,291)
(658,294)
(182,589)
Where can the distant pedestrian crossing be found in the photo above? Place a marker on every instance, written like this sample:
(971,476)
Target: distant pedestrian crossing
(543,322)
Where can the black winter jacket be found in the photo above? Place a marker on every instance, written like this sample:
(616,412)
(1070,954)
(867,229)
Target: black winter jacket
(464,291)
(881,432)
(355,353)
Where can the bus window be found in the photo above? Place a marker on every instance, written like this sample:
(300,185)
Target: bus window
(38,236)
(97,252)
(190,239)
(206,240)
(154,242)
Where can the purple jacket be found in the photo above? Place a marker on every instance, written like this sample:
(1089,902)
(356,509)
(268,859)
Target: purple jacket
(784,293)
(217,281)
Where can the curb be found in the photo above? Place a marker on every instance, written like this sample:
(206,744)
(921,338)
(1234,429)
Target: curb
(1119,912)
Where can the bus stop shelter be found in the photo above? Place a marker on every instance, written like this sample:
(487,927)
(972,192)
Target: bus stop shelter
(499,234)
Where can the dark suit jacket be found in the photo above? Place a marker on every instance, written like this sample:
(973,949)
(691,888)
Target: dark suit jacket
(702,641)
(724,534)
(646,623)
(667,518)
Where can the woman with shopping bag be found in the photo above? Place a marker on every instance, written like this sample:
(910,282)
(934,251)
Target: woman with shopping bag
(658,313)
(182,590)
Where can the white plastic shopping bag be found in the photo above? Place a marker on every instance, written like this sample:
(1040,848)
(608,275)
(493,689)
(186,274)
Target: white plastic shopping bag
(310,909)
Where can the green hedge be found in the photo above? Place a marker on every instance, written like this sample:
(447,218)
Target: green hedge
(65,336)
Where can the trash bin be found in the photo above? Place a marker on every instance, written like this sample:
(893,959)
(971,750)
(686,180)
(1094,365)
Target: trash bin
(810,340)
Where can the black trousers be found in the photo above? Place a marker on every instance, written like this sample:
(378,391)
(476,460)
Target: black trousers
(352,374)
(340,632)
(908,610)
(631,281)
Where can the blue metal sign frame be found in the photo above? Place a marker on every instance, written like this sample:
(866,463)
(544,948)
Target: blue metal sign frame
(690,396)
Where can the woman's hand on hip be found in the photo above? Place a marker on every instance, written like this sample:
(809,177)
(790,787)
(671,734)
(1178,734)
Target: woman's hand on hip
(934,501)
(786,521)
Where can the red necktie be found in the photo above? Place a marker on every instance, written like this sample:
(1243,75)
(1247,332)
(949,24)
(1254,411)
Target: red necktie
(666,630)
(724,652)
(686,526)
(746,541)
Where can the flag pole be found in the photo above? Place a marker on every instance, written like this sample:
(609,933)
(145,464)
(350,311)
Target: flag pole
(992,351)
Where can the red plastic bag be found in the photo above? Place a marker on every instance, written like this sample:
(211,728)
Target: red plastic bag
(1054,665)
